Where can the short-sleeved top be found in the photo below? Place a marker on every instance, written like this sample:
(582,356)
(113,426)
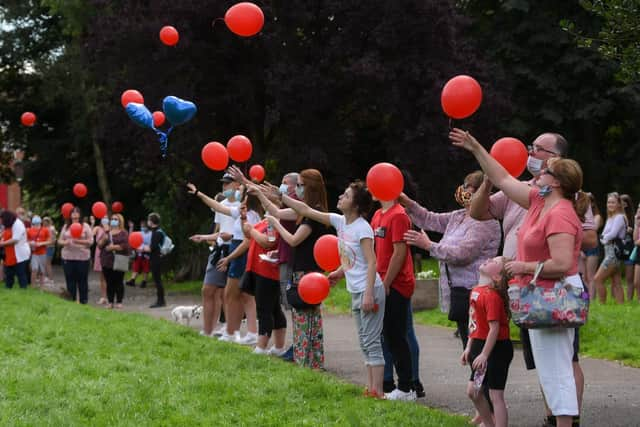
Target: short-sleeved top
(73,252)
(534,232)
(485,305)
(225,221)
(389,228)
(302,255)
(19,232)
(252,218)
(107,257)
(39,235)
(354,264)
(9,250)
(254,263)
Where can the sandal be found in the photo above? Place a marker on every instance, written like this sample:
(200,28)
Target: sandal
(102,301)
(119,306)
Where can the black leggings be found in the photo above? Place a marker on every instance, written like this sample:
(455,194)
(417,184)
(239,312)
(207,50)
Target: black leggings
(115,284)
(76,275)
(394,331)
(269,310)
(156,274)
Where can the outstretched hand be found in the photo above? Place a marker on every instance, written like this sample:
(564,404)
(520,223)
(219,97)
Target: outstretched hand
(463,139)
(237,174)
(191,188)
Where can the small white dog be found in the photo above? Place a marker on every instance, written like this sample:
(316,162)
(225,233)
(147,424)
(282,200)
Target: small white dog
(187,312)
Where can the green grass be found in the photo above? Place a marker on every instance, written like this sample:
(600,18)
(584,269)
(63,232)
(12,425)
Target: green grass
(66,364)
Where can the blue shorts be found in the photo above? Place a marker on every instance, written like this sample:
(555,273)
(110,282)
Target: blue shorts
(51,251)
(592,252)
(238,265)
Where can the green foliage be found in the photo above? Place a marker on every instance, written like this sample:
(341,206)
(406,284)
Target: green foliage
(66,364)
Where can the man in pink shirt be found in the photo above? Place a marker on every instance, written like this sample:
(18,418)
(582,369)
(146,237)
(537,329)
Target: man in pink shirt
(485,206)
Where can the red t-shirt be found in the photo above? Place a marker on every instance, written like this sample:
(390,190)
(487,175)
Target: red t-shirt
(254,263)
(534,232)
(389,228)
(9,250)
(38,235)
(485,305)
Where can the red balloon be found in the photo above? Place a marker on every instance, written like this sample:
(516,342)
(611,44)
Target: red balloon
(385,181)
(256,172)
(99,210)
(512,154)
(313,288)
(117,207)
(239,148)
(169,35)
(131,95)
(80,190)
(244,19)
(215,156)
(158,118)
(135,239)
(325,252)
(75,230)
(461,97)
(66,210)
(28,119)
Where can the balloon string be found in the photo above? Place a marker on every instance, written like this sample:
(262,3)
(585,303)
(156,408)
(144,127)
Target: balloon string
(450,124)
(213,23)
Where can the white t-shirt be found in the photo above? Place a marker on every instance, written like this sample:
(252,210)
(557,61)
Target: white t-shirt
(352,258)
(19,233)
(225,221)
(252,218)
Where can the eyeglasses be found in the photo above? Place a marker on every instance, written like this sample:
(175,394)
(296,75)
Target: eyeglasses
(536,148)
(299,185)
(548,171)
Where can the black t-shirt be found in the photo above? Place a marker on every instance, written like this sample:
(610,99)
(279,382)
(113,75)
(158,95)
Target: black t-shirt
(302,254)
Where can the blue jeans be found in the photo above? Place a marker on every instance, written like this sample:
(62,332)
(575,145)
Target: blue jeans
(20,270)
(414,348)
(76,274)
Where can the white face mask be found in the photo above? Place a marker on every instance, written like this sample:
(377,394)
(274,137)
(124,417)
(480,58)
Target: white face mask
(300,192)
(284,189)
(534,166)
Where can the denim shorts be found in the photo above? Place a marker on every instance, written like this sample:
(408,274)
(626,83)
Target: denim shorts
(238,265)
(592,252)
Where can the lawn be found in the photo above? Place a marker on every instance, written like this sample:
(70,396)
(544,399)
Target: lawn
(66,364)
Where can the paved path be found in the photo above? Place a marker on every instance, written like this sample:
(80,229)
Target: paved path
(611,395)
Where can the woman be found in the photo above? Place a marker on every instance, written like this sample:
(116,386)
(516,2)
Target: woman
(51,247)
(308,346)
(115,241)
(100,231)
(550,236)
(636,239)
(358,259)
(465,244)
(614,228)
(39,238)
(627,206)
(591,255)
(75,257)
(236,301)
(16,249)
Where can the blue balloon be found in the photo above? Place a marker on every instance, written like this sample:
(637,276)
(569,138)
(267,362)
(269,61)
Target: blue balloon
(178,111)
(140,115)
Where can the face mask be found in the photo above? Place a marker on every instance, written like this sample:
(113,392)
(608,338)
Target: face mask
(300,192)
(104,221)
(36,220)
(545,190)
(284,189)
(463,197)
(143,229)
(114,223)
(534,166)
(227,193)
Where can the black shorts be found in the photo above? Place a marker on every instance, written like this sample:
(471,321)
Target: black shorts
(528,354)
(497,364)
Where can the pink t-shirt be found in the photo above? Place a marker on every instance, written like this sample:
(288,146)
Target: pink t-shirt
(534,232)
(73,252)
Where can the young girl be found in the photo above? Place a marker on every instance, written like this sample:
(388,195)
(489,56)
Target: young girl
(489,349)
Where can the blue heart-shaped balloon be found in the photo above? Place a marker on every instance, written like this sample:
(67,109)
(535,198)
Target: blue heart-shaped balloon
(140,114)
(178,111)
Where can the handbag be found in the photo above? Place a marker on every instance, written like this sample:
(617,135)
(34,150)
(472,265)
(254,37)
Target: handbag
(120,262)
(623,247)
(293,297)
(534,307)
(459,306)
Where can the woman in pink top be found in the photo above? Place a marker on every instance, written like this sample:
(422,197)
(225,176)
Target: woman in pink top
(75,257)
(551,235)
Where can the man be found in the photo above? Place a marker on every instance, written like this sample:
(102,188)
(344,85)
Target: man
(155,257)
(485,206)
(395,266)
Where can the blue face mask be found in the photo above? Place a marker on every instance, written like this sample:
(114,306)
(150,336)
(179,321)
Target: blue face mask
(36,220)
(144,229)
(227,193)
(114,223)
(545,190)
(104,221)
(238,195)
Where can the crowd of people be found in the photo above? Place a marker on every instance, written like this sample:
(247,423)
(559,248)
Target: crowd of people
(262,242)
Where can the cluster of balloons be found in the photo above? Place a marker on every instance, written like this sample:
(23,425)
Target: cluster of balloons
(216,156)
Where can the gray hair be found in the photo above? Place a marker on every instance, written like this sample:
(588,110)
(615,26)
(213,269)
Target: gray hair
(294,175)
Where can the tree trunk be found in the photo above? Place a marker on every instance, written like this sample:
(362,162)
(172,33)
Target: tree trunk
(103,182)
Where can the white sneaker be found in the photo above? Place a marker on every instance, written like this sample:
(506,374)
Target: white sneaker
(220,331)
(396,394)
(205,335)
(259,350)
(249,339)
(230,338)
(275,351)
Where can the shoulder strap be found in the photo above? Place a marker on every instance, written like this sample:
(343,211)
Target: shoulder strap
(446,269)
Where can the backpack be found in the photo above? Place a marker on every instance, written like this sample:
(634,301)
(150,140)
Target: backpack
(167,244)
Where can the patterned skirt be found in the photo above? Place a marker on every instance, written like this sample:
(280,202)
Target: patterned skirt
(308,348)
